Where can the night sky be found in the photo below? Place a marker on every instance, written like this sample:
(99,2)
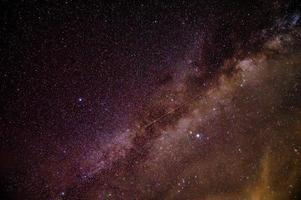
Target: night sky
(188,100)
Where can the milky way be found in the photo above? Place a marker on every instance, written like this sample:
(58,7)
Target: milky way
(190,100)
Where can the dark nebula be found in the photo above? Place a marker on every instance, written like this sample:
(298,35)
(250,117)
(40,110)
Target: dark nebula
(132,100)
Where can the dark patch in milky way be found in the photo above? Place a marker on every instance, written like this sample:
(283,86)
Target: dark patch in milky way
(189,100)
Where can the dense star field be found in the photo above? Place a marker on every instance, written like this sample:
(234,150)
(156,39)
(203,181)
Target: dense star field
(188,100)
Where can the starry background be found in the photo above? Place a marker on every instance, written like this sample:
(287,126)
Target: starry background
(131,100)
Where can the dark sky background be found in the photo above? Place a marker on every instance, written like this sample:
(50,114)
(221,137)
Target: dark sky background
(74,75)
(110,55)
